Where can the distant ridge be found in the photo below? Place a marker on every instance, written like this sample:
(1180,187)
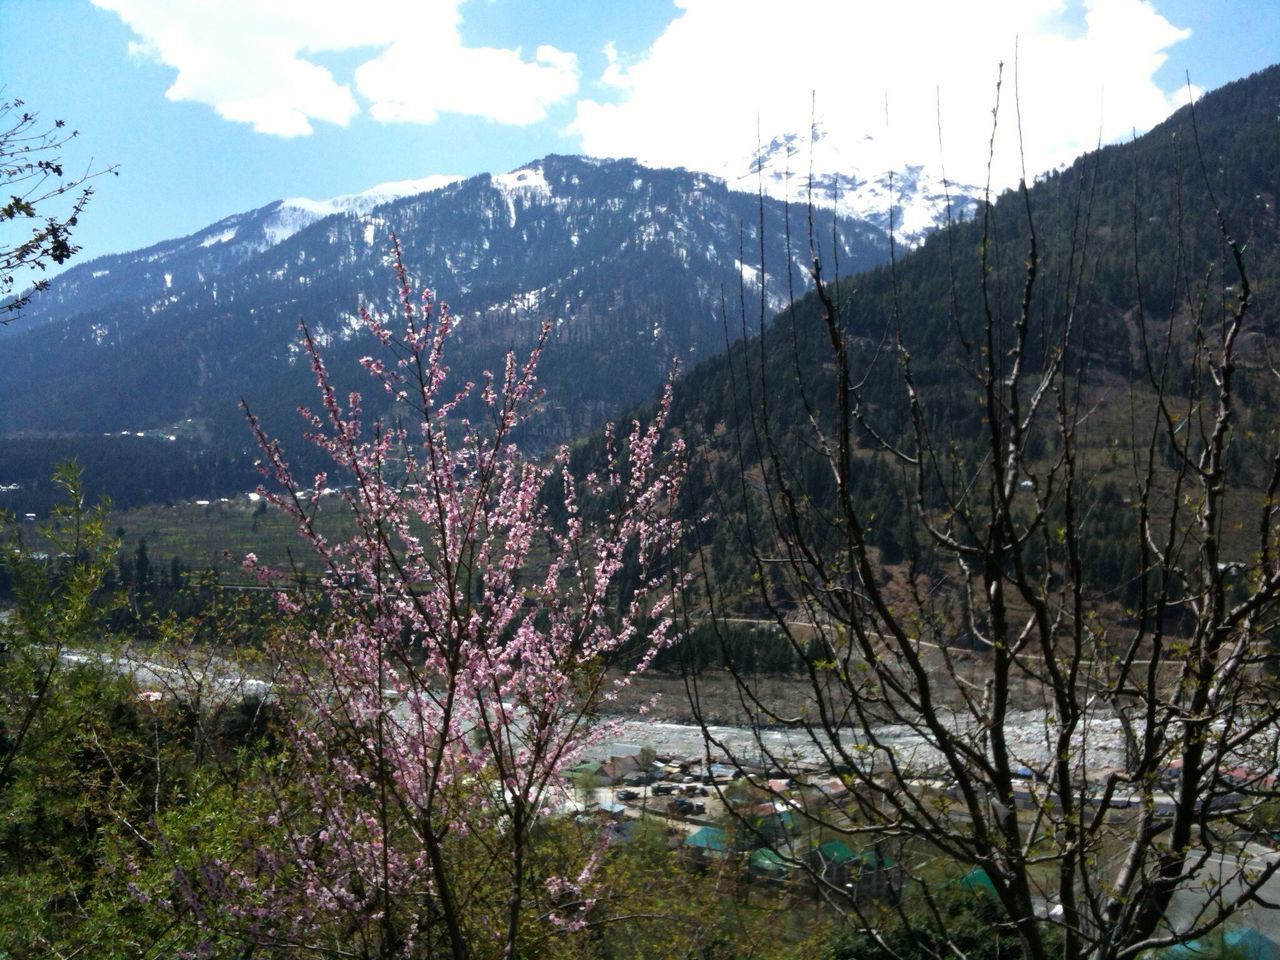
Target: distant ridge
(629,264)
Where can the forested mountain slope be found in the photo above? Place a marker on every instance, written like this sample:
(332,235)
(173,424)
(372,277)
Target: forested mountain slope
(628,264)
(1127,250)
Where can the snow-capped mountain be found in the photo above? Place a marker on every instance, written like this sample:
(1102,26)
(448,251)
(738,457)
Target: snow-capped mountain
(164,269)
(864,183)
(632,266)
(794,168)
(297,212)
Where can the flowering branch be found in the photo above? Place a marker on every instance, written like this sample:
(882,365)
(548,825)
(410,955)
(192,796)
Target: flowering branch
(468,650)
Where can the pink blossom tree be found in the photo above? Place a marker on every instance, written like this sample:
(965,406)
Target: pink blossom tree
(470,642)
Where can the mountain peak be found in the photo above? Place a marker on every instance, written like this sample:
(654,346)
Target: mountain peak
(295,213)
(865,181)
(366,200)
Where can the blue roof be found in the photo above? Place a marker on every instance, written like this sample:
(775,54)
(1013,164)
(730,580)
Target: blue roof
(1252,944)
(709,838)
(1248,944)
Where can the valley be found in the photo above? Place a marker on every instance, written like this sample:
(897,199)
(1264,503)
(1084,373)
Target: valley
(346,540)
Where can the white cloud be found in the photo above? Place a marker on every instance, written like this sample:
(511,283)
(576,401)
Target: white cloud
(250,61)
(407,86)
(880,70)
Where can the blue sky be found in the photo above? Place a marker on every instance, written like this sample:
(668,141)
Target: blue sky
(211,108)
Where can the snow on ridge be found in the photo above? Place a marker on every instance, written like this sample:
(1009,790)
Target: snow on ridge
(266,226)
(524,182)
(307,206)
(292,216)
(395,189)
(366,200)
(296,213)
(529,179)
(861,183)
(222,237)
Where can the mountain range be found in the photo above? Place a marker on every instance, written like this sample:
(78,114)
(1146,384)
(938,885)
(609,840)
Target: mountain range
(630,263)
(635,267)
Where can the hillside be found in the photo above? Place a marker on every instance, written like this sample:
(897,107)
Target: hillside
(629,264)
(1129,259)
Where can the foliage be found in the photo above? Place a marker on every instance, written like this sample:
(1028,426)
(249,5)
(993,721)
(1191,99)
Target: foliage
(651,904)
(91,764)
(55,589)
(460,671)
(954,922)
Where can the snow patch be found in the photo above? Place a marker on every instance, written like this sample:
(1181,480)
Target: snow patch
(290,217)
(352,325)
(524,180)
(750,275)
(296,213)
(773,298)
(867,183)
(222,237)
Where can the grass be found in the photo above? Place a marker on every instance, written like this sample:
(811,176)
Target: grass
(217,535)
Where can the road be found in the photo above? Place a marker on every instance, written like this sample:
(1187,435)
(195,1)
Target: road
(1224,870)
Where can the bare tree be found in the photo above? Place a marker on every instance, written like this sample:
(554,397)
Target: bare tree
(33,180)
(1098,738)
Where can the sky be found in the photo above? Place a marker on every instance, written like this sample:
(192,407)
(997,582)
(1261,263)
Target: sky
(213,107)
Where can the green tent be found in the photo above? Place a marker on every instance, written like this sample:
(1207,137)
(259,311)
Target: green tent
(977,881)
(835,852)
(767,863)
(710,839)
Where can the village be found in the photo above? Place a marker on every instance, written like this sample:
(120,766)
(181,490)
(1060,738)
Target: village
(763,822)
(793,831)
